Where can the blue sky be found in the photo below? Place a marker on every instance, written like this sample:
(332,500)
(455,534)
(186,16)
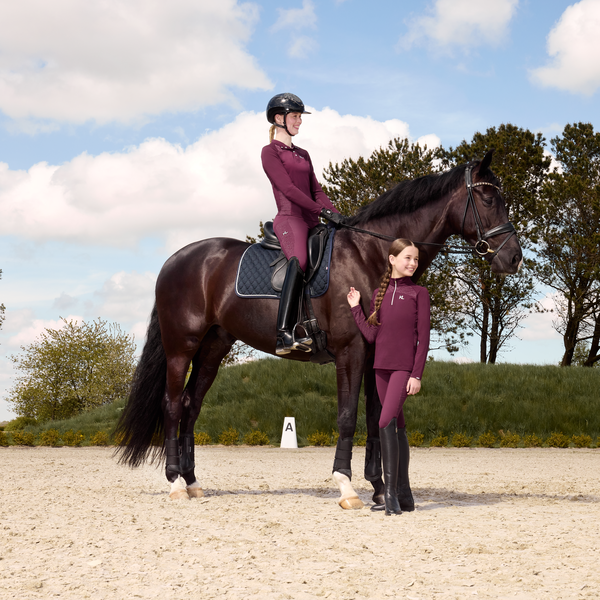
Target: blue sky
(129,129)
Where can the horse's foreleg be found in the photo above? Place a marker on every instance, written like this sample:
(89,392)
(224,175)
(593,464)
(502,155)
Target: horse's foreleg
(373,449)
(349,376)
(215,346)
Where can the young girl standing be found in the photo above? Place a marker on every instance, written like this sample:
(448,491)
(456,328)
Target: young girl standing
(399,325)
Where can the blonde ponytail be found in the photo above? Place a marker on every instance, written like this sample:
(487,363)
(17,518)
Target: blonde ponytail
(272,133)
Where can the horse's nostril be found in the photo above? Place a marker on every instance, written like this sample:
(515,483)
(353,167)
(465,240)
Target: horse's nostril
(518,259)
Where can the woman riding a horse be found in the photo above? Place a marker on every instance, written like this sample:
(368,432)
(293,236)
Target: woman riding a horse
(300,202)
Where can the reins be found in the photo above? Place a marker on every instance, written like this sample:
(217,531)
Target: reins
(446,248)
(482,246)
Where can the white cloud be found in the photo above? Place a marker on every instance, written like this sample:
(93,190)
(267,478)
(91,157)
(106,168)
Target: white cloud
(538,326)
(214,187)
(125,297)
(302,46)
(30,332)
(296,18)
(574,47)
(76,61)
(464,23)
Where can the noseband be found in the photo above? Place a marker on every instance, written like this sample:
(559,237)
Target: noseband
(482,246)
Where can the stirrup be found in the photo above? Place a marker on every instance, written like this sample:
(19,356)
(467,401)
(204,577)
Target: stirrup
(286,343)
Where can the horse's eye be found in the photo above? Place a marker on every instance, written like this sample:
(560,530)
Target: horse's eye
(488,200)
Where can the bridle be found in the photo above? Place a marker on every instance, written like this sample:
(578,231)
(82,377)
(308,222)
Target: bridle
(482,247)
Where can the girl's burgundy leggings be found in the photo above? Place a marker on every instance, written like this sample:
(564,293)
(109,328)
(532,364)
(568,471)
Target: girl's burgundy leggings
(391,387)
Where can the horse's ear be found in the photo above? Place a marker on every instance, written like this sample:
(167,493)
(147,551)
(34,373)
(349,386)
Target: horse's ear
(484,165)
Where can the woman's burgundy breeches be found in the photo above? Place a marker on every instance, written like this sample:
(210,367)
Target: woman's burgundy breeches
(292,233)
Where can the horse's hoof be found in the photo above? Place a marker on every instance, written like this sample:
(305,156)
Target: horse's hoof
(195,492)
(378,499)
(179,495)
(352,503)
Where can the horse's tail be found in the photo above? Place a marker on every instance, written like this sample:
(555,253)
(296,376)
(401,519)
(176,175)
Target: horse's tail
(140,427)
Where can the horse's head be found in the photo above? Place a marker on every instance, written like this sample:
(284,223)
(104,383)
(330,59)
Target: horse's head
(485,223)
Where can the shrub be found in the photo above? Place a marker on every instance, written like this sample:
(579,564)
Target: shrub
(360,439)
(202,438)
(50,437)
(510,440)
(557,439)
(100,438)
(487,440)
(439,442)
(320,438)
(3,439)
(229,437)
(415,438)
(461,440)
(23,438)
(72,439)
(20,423)
(532,441)
(256,438)
(582,441)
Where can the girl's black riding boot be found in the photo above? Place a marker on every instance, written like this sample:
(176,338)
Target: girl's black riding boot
(390,455)
(287,317)
(405,496)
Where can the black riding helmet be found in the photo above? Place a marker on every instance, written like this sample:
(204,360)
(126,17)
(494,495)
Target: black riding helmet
(282,104)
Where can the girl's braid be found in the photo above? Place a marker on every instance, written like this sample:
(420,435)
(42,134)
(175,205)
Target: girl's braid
(383,286)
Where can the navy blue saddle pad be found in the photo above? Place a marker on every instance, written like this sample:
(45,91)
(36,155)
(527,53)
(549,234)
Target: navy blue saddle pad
(253,278)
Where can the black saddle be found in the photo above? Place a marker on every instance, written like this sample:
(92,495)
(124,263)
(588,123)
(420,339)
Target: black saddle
(317,241)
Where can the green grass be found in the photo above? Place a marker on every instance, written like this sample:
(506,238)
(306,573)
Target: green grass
(470,399)
(522,399)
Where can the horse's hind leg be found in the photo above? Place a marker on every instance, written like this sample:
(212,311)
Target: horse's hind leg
(215,346)
(173,408)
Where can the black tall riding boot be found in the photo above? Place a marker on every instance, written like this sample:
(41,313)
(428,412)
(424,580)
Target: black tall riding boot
(287,317)
(389,456)
(405,496)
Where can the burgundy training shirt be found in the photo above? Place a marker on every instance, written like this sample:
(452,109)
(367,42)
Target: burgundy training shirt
(402,339)
(296,189)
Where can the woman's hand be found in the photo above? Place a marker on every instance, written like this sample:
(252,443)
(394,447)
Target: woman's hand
(413,386)
(353,297)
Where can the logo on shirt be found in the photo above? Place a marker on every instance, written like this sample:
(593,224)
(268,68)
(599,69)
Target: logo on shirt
(400,297)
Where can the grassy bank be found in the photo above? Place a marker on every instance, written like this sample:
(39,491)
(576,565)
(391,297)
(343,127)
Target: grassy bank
(469,400)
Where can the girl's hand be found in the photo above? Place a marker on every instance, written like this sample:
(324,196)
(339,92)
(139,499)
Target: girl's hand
(413,386)
(353,297)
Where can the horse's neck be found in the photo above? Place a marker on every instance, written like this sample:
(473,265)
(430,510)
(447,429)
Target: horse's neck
(430,224)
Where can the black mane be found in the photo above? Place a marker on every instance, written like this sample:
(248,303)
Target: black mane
(408,196)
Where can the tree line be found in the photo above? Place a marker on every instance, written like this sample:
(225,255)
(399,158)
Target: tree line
(552,196)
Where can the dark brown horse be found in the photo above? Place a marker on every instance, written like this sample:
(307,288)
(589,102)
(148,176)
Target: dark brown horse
(197,316)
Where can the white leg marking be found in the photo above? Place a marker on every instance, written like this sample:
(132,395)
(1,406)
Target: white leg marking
(178,491)
(349,499)
(194,490)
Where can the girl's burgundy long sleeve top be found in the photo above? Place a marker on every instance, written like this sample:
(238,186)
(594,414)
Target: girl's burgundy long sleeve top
(295,186)
(402,339)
